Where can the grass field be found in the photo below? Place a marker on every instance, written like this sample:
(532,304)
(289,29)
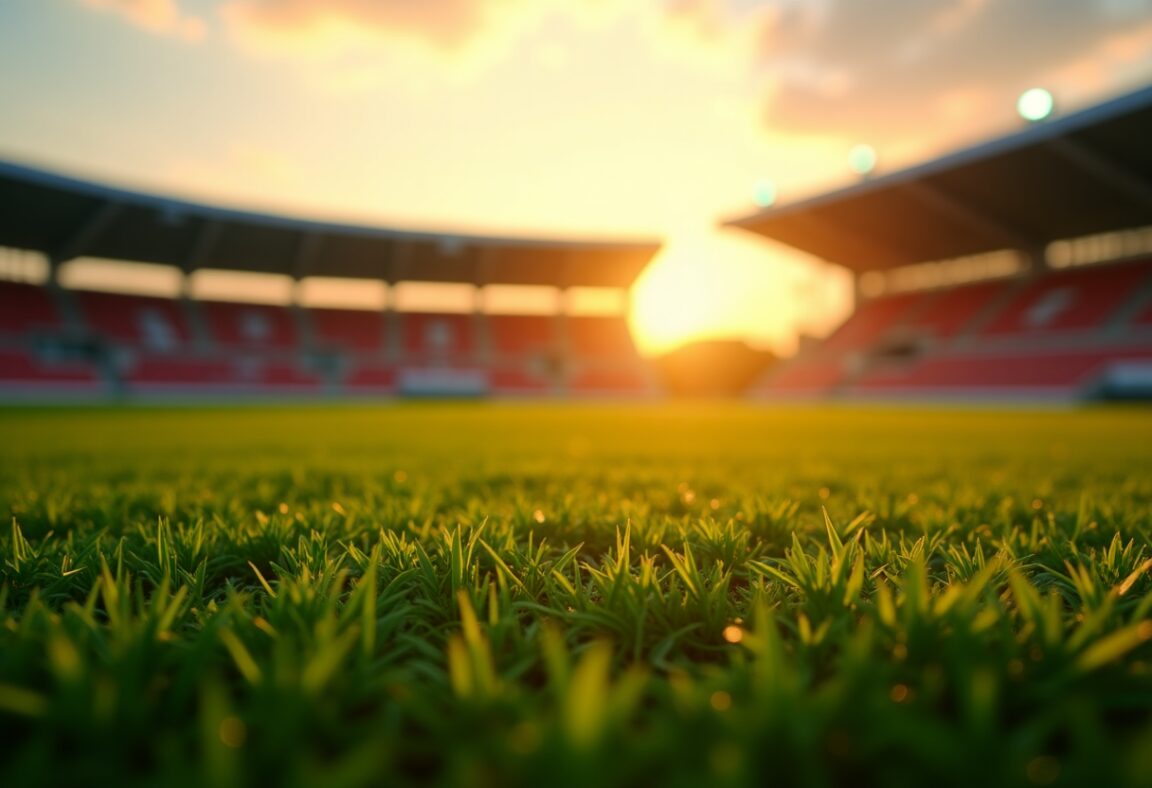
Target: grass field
(592,595)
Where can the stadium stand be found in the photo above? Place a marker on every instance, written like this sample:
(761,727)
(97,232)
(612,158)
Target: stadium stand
(215,374)
(946,313)
(1061,373)
(1073,331)
(804,377)
(526,352)
(437,337)
(1143,318)
(520,336)
(25,308)
(22,371)
(1050,337)
(251,326)
(522,380)
(116,344)
(600,337)
(279,375)
(157,324)
(370,378)
(355,330)
(610,381)
(605,360)
(871,321)
(1076,300)
(164,373)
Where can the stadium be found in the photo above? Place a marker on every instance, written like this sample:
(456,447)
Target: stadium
(977,275)
(93,344)
(1014,269)
(470,530)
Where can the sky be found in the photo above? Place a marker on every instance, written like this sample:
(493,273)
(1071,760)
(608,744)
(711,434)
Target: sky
(575,118)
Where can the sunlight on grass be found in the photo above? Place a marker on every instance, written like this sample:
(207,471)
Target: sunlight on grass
(702,595)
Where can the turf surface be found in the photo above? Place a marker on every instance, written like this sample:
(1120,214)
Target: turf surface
(561,595)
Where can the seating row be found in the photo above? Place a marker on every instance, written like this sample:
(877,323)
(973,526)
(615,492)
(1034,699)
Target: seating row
(1082,300)
(1053,333)
(162,325)
(25,372)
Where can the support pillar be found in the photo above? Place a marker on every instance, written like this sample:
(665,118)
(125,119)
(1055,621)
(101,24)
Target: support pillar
(393,341)
(481,327)
(562,364)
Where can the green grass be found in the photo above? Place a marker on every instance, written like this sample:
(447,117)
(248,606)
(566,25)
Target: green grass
(589,596)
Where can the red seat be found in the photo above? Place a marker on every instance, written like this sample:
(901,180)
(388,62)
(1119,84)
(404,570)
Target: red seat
(600,337)
(437,336)
(871,320)
(350,329)
(371,377)
(154,323)
(20,369)
(215,373)
(1034,370)
(1077,300)
(522,335)
(250,325)
(279,374)
(518,380)
(802,376)
(952,310)
(166,371)
(25,308)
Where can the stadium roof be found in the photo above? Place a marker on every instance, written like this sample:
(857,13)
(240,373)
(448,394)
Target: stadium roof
(1081,174)
(67,218)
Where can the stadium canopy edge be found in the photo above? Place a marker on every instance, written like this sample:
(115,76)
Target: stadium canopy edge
(1084,173)
(65,218)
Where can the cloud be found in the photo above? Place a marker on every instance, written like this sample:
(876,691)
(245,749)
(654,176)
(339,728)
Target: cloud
(349,47)
(446,32)
(293,26)
(705,18)
(887,69)
(162,17)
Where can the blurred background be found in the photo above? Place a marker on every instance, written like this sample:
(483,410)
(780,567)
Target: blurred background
(532,196)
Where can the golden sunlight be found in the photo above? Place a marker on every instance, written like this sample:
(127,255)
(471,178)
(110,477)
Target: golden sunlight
(710,284)
(671,301)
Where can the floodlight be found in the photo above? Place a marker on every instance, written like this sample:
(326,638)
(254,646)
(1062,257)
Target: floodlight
(764,194)
(1035,104)
(862,159)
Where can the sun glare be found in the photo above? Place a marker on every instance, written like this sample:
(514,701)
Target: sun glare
(722,284)
(673,301)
